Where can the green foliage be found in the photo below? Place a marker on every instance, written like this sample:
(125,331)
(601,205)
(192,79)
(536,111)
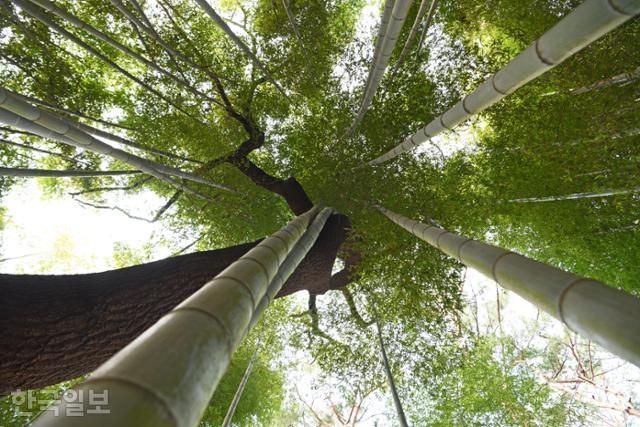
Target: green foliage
(486,387)
(544,140)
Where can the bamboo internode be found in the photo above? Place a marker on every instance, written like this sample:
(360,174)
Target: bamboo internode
(607,316)
(588,22)
(167,375)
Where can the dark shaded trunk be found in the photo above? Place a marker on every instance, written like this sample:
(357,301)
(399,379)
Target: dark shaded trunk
(57,327)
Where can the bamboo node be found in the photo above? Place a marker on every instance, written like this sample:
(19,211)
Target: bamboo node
(460,248)
(540,57)
(493,267)
(493,83)
(566,289)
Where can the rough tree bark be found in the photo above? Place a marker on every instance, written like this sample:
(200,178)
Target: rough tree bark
(58,327)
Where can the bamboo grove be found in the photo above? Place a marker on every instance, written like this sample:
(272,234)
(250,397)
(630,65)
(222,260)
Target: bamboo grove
(244,116)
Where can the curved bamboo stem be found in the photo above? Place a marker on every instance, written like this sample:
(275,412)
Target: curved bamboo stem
(588,22)
(598,312)
(167,375)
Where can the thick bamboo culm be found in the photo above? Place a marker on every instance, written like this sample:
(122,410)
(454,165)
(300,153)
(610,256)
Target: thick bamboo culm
(167,375)
(588,22)
(48,125)
(381,61)
(607,316)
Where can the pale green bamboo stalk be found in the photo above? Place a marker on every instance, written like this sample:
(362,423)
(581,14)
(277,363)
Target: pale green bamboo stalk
(204,4)
(382,31)
(34,173)
(607,316)
(78,114)
(578,196)
(412,34)
(398,16)
(425,29)
(15,111)
(238,394)
(588,22)
(151,32)
(106,135)
(37,150)
(167,375)
(78,23)
(292,22)
(38,14)
(402,419)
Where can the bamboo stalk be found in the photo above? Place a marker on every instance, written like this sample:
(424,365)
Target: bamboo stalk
(398,16)
(292,22)
(238,394)
(577,196)
(79,114)
(167,375)
(78,23)
(38,14)
(425,28)
(204,4)
(402,419)
(608,316)
(106,135)
(413,32)
(382,31)
(33,173)
(588,22)
(15,111)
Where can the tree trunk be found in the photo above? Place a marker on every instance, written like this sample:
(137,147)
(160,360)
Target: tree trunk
(58,327)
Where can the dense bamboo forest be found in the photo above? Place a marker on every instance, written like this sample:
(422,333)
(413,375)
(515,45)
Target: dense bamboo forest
(319,213)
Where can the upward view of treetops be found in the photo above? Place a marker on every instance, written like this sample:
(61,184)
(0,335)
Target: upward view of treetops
(359,213)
